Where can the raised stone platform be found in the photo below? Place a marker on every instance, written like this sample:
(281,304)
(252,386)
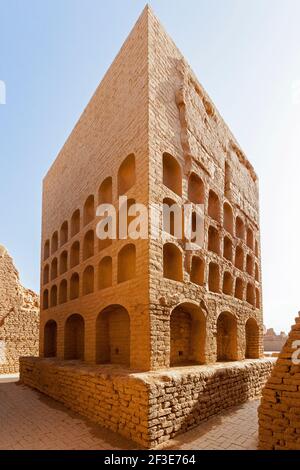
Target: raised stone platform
(149,407)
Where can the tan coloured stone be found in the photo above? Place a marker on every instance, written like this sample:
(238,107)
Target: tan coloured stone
(114,310)
(19,317)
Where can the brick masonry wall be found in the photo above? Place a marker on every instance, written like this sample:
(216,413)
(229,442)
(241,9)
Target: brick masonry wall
(149,103)
(279,412)
(149,408)
(184,122)
(19,317)
(113,126)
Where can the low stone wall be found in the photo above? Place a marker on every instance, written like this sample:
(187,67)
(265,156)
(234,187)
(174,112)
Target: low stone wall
(149,408)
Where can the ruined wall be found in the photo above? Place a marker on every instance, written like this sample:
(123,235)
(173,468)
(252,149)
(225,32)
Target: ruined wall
(19,317)
(274,342)
(279,412)
(149,408)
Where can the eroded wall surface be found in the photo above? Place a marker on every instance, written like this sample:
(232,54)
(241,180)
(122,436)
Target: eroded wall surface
(19,317)
(279,412)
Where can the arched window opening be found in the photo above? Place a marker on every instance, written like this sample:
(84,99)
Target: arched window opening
(197,271)
(214,278)
(46,299)
(227,249)
(89,210)
(74,337)
(75,223)
(172,176)
(239,258)
(257,295)
(250,239)
(172,218)
(126,175)
(74,286)
(250,297)
(249,265)
(64,233)
(226,337)
(54,243)
(46,250)
(50,339)
(54,269)
(127,263)
(239,289)
(75,254)
(46,274)
(240,228)
(252,339)
(113,336)
(213,240)
(63,262)
(88,245)
(256,272)
(88,280)
(105,273)
(227,284)
(53,296)
(105,192)
(196,192)
(63,292)
(172,261)
(214,206)
(256,249)
(187,335)
(228,218)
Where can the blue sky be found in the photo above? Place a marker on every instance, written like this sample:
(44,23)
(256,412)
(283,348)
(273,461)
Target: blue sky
(53,54)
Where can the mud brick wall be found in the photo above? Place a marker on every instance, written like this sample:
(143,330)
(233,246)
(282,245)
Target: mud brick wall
(279,412)
(19,317)
(149,408)
(151,109)
(114,399)
(181,400)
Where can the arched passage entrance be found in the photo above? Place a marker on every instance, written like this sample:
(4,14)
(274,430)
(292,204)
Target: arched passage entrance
(74,337)
(187,335)
(226,337)
(113,336)
(252,339)
(50,338)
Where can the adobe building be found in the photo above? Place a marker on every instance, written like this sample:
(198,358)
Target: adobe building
(19,317)
(279,412)
(144,336)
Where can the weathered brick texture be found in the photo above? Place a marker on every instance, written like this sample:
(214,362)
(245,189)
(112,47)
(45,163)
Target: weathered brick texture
(19,317)
(279,412)
(149,408)
(151,132)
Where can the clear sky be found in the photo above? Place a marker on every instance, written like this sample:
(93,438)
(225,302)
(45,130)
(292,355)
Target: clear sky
(53,54)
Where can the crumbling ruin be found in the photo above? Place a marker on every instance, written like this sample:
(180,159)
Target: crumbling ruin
(274,342)
(279,412)
(19,317)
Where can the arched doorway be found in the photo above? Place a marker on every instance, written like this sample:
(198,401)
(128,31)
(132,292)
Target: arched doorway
(226,337)
(50,338)
(113,336)
(74,337)
(187,335)
(252,339)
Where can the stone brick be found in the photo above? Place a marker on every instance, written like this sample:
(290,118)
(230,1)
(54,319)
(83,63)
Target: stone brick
(19,317)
